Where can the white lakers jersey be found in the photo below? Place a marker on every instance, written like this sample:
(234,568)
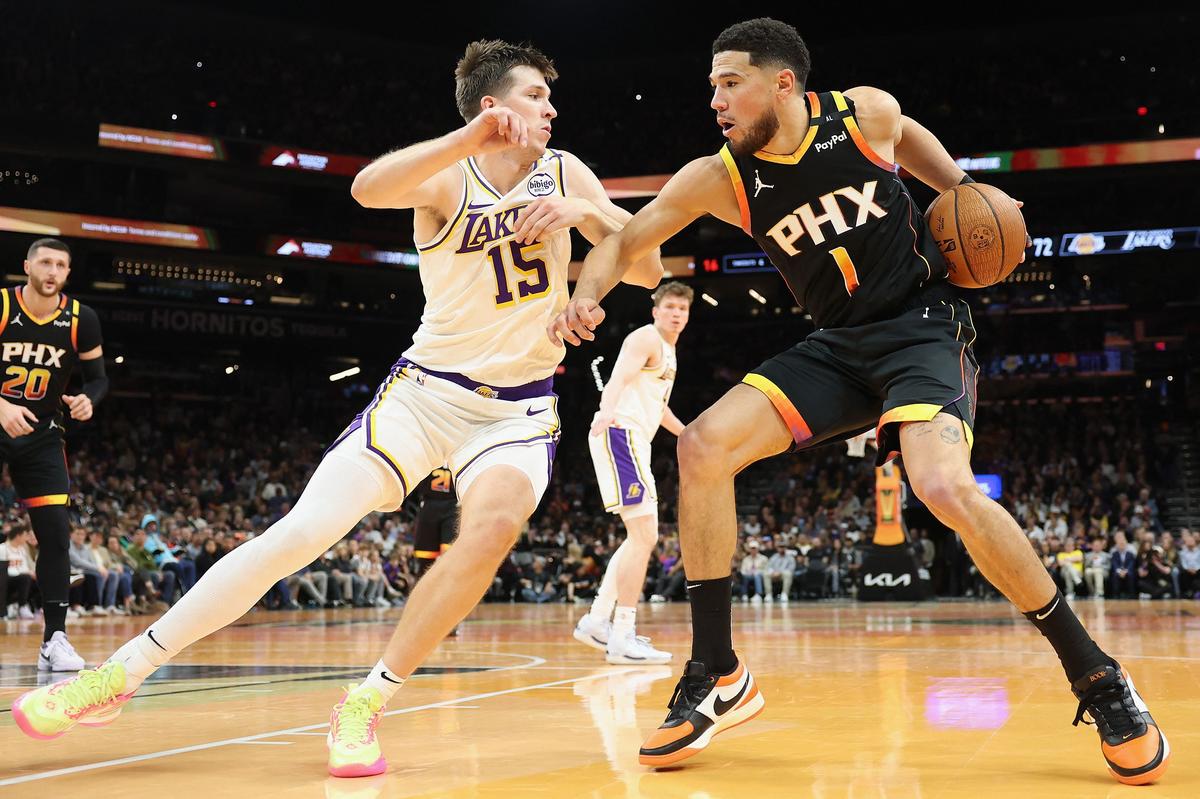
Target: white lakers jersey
(642,403)
(488,299)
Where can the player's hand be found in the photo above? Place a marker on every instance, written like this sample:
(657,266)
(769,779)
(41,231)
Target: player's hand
(600,423)
(16,419)
(494,130)
(80,406)
(547,215)
(577,321)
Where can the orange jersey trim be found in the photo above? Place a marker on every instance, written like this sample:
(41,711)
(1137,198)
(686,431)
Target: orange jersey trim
(739,188)
(800,429)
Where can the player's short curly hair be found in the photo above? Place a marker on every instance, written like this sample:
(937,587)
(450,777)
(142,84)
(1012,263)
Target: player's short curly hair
(486,68)
(673,289)
(768,41)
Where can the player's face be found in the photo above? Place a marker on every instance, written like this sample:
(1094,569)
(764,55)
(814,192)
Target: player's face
(530,97)
(672,313)
(744,99)
(48,270)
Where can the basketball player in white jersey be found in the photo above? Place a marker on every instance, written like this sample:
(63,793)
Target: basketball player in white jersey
(493,207)
(633,405)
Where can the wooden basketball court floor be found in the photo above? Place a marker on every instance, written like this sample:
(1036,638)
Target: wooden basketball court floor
(863,700)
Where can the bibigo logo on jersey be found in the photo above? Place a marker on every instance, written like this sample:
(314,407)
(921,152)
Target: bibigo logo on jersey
(541,185)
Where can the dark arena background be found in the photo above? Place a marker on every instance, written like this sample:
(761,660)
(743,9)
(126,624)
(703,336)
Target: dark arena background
(198,158)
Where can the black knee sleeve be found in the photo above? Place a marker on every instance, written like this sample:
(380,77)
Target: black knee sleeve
(52,528)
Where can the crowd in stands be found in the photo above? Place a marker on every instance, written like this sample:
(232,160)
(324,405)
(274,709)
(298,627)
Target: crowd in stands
(161,492)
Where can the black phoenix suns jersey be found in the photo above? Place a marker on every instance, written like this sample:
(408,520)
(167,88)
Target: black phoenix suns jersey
(836,220)
(438,487)
(38,355)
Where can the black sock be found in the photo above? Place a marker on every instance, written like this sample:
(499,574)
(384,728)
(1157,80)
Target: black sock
(1076,649)
(55,615)
(712,624)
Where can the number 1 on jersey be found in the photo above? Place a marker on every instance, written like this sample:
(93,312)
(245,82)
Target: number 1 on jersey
(846,266)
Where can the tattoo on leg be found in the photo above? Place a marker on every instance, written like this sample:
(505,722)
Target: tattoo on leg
(924,429)
(951,434)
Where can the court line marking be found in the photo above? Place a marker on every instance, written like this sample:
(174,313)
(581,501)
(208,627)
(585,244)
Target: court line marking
(266,743)
(907,650)
(121,761)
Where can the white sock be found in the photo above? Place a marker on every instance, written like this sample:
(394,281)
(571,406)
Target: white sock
(624,621)
(384,681)
(142,656)
(340,492)
(606,595)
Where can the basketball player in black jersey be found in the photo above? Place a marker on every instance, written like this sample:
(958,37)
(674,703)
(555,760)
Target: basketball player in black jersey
(812,177)
(437,520)
(43,335)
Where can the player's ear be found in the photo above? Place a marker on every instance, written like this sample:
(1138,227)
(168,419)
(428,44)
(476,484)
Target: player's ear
(785,82)
(487,101)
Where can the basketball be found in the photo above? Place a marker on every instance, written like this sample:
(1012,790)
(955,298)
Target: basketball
(980,230)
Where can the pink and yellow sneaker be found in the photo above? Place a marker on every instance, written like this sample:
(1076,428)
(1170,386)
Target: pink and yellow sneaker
(92,698)
(353,748)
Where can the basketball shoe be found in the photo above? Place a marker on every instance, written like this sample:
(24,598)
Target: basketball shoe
(1134,748)
(92,698)
(353,747)
(593,632)
(633,650)
(703,705)
(57,654)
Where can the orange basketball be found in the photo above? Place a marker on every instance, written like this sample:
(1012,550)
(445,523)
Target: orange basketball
(980,231)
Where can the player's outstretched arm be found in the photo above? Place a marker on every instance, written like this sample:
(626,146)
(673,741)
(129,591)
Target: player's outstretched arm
(672,423)
(700,187)
(891,134)
(419,175)
(639,347)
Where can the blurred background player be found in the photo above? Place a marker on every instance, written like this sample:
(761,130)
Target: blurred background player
(632,406)
(43,335)
(437,519)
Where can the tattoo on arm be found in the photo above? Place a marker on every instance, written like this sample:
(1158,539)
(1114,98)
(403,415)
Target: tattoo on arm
(951,434)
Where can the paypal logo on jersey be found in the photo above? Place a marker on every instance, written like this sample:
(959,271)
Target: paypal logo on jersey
(837,137)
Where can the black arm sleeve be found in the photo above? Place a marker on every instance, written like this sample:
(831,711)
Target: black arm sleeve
(95,382)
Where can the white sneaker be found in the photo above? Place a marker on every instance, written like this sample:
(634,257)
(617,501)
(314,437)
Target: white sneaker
(756,600)
(657,598)
(100,611)
(770,598)
(631,649)
(382,603)
(25,613)
(57,654)
(783,599)
(72,614)
(593,632)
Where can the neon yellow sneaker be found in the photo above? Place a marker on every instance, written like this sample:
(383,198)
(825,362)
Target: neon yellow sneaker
(353,748)
(92,698)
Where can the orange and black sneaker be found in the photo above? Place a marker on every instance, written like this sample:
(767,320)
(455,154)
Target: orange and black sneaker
(703,705)
(1133,746)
